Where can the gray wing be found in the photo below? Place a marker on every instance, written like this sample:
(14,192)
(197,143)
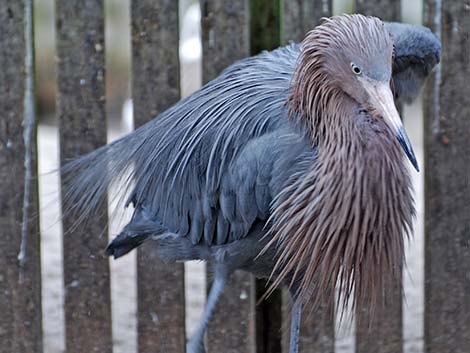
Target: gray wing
(417,51)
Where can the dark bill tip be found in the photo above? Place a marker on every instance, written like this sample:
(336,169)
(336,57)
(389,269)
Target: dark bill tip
(406,144)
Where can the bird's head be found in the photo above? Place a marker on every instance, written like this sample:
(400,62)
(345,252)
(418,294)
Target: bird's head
(348,56)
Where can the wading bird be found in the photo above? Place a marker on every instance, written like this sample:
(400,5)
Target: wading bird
(290,165)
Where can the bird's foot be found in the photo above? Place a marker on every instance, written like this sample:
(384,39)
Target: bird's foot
(195,347)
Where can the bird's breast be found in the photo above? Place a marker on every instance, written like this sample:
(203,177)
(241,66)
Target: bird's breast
(345,219)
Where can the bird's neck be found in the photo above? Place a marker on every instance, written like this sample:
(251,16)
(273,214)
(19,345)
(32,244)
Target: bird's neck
(364,169)
(349,211)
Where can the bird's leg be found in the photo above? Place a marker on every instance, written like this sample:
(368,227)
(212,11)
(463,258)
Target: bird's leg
(296,315)
(196,343)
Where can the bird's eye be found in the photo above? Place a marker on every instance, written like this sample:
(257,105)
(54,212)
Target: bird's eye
(356,69)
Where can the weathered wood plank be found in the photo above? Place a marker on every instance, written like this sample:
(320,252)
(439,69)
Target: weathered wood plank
(386,10)
(317,333)
(381,333)
(265,34)
(155,87)
(265,27)
(225,34)
(269,320)
(232,328)
(225,39)
(82,122)
(447,183)
(20,286)
(301,16)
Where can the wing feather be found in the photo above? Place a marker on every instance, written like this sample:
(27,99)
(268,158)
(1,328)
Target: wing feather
(179,167)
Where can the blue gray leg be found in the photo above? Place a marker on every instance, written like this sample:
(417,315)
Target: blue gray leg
(196,343)
(296,316)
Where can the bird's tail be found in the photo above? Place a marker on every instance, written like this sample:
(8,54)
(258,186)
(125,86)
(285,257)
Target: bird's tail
(124,243)
(133,235)
(86,180)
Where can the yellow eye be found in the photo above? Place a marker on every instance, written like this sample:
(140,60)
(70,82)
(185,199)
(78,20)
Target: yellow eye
(356,69)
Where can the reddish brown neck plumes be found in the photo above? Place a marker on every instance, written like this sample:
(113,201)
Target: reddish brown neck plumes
(313,92)
(342,222)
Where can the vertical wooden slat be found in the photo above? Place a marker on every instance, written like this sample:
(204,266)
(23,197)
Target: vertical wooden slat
(225,34)
(265,28)
(381,333)
(20,288)
(386,10)
(225,39)
(269,320)
(300,16)
(265,34)
(155,87)
(447,183)
(232,329)
(317,331)
(82,123)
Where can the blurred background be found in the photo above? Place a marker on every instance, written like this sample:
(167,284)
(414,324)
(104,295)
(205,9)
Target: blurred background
(120,121)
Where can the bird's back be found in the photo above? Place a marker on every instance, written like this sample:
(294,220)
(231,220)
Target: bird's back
(209,167)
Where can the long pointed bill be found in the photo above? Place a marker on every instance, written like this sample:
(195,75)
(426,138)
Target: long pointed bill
(406,144)
(381,99)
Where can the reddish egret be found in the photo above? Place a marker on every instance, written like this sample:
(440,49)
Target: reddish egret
(290,165)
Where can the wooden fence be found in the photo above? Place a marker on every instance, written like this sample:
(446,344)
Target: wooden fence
(230,30)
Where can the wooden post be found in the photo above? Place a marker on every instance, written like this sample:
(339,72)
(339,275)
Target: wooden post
(225,34)
(265,34)
(156,87)
(447,182)
(225,39)
(20,286)
(301,16)
(265,27)
(82,122)
(317,333)
(386,10)
(269,320)
(381,333)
